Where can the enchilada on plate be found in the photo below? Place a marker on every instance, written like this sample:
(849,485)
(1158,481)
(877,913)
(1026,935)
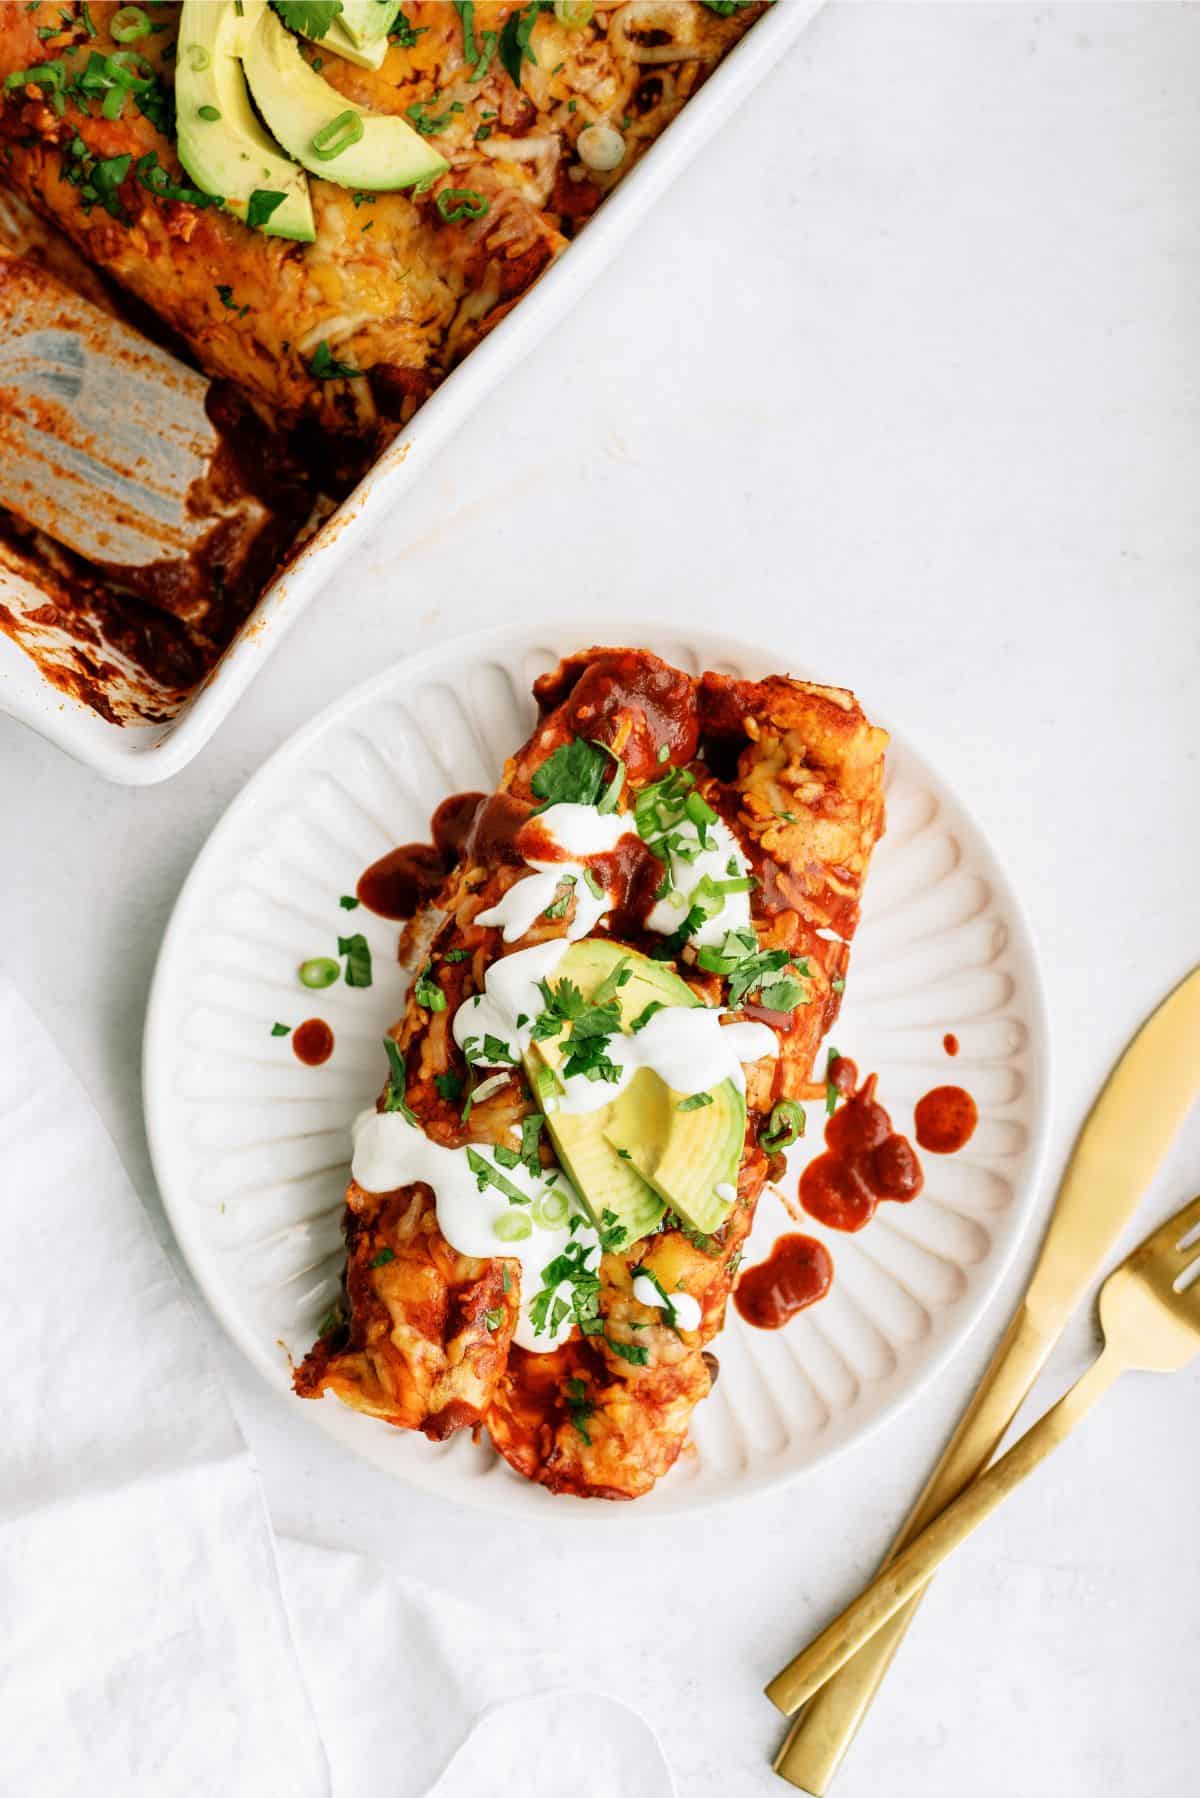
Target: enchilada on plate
(619,990)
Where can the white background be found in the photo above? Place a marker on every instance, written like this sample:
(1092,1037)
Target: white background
(903,377)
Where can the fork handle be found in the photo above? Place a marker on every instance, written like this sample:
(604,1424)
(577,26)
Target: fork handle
(902,1578)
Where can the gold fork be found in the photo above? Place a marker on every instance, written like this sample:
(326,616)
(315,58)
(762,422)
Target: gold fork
(1150,1316)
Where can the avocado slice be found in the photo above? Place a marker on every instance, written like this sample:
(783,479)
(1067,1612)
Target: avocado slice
(230,156)
(359,32)
(640,1153)
(366,21)
(608,1183)
(686,1156)
(300,107)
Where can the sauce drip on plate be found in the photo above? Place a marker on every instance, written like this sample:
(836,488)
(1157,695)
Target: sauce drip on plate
(797,1272)
(950,1043)
(399,883)
(865,1160)
(945,1119)
(312,1042)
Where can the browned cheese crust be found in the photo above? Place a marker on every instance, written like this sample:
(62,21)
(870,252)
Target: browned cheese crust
(796,771)
(392,289)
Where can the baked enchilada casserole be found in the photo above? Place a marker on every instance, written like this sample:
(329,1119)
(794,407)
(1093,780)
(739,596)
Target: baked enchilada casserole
(323,204)
(619,991)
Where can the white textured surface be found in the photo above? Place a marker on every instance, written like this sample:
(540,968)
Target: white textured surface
(938,439)
(251,1149)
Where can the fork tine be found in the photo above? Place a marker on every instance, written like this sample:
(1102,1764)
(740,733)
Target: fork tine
(1178,1234)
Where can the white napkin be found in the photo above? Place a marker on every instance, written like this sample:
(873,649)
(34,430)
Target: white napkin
(147,1649)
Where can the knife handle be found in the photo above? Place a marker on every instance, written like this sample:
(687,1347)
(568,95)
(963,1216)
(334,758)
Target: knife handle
(818,1739)
(911,1570)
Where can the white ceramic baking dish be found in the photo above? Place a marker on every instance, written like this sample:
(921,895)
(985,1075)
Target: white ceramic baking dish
(139,753)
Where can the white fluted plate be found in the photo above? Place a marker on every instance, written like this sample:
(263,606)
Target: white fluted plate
(251,1148)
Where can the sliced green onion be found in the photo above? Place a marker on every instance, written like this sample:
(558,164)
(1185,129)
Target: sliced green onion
(787,1125)
(551,1211)
(129,24)
(198,58)
(338,135)
(320,971)
(574,14)
(210,112)
(512,1226)
(131,67)
(456,203)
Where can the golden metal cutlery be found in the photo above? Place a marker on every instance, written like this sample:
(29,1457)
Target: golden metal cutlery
(1118,1150)
(1150,1315)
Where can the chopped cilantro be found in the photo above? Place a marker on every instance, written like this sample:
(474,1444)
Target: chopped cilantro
(516,46)
(831,1091)
(429,125)
(549,1309)
(573,775)
(323,364)
(281,1030)
(745,966)
(494,1318)
(531,1131)
(404,33)
(312,18)
(561,904)
(348,902)
(636,1353)
(393,1098)
(612,1231)
(579,1407)
(487,1173)
(593,1023)
(382,1259)
(357,951)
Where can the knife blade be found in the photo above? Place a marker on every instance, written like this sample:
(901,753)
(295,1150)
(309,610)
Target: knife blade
(1123,1140)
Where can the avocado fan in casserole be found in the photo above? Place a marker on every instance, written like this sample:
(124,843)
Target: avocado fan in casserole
(538,110)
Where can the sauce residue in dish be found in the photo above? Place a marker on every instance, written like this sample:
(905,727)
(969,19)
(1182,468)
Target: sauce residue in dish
(945,1119)
(865,1160)
(400,882)
(312,1042)
(950,1043)
(797,1272)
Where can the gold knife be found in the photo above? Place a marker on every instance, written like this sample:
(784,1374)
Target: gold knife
(1125,1136)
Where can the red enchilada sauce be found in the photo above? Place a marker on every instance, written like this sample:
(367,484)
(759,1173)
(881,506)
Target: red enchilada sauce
(312,1042)
(660,701)
(400,882)
(865,1160)
(945,1120)
(797,1272)
(950,1043)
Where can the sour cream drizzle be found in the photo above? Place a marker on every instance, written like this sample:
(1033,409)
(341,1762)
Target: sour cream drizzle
(391,1152)
(578,830)
(688,1047)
